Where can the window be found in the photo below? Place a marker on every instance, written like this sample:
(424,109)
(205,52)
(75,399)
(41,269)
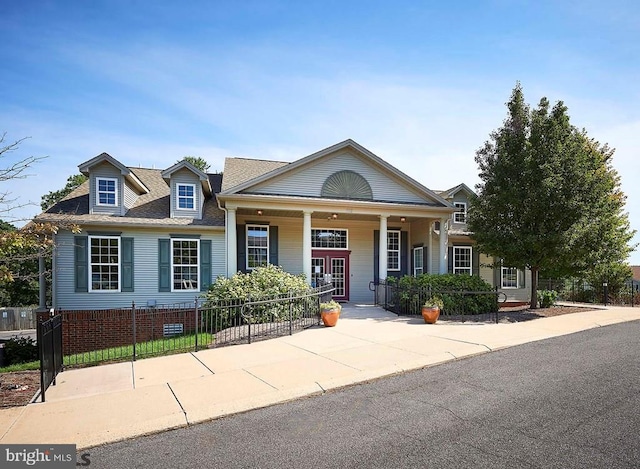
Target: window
(329,239)
(509,277)
(462,260)
(104,263)
(185,264)
(393,250)
(257,246)
(461,215)
(107,192)
(186,196)
(418,261)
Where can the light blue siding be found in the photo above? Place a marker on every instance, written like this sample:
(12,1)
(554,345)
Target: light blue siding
(308,182)
(106,170)
(184,176)
(145,263)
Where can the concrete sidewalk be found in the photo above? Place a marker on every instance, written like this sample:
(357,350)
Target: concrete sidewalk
(103,404)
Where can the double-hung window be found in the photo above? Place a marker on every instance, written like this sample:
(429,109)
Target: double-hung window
(462,260)
(393,250)
(418,261)
(186,196)
(460,216)
(104,259)
(257,246)
(185,264)
(107,191)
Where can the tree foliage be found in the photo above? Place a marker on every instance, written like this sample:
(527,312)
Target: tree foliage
(198,162)
(53,197)
(549,197)
(21,248)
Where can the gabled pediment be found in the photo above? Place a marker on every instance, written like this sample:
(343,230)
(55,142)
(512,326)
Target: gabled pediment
(132,179)
(346,170)
(184,164)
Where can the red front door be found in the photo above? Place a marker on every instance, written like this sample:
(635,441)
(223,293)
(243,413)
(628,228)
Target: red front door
(335,263)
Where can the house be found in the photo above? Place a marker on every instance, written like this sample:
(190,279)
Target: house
(162,236)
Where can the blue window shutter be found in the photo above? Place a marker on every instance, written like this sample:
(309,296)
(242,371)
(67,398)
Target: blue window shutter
(425,260)
(521,278)
(450,260)
(164,265)
(205,264)
(81,261)
(497,273)
(273,245)
(475,261)
(126,244)
(404,253)
(241,248)
(376,255)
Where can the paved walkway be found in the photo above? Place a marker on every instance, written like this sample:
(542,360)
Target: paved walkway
(103,404)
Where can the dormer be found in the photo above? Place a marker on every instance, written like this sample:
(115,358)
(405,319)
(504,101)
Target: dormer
(188,188)
(460,196)
(113,188)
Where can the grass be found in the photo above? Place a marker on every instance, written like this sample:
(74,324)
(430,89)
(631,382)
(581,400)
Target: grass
(164,346)
(28,366)
(151,348)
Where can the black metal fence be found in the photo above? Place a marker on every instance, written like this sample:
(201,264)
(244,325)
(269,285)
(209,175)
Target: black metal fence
(128,334)
(49,334)
(405,301)
(580,291)
(246,320)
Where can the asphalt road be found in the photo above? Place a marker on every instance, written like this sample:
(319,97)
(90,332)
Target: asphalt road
(568,402)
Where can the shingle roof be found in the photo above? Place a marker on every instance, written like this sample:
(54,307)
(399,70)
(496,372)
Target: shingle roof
(149,209)
(239,170)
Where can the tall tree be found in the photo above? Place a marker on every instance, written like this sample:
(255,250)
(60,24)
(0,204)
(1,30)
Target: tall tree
(549,197)
(53,197)
(198,162)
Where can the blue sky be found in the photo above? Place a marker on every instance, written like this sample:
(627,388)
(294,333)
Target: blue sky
(421,84)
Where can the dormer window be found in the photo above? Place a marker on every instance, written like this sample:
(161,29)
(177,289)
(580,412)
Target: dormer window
(461,215)
(107,191)
(186,196)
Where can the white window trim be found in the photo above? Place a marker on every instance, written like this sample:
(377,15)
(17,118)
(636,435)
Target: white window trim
(419,249)
(90,285)
(246,243)
(519,274)
(464,270)
(399,251)
(346,231)
(460,205)
(193,186)
(182,290)
(115,180)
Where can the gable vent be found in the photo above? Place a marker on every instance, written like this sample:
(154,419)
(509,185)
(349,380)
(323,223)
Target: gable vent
(346,185)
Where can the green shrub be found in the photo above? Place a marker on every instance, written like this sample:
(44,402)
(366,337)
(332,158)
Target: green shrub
(20,350)
(262,283)
(547,298)
(412,290)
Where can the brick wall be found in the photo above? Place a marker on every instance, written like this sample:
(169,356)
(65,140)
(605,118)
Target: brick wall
(89,330)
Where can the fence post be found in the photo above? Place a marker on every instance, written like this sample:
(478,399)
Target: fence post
(196,322)
(249,320)
(133,321)
(290,312)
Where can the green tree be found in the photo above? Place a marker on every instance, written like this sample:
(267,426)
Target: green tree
(53,197)
(21,288)
(549,197)
(198,162)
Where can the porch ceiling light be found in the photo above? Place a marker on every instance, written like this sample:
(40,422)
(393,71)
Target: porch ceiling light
(334,216)
(260,212)
(403,219)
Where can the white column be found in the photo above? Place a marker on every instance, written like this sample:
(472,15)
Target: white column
(382,263)
(306,245)
(232,248)
(443,246)
(430,247)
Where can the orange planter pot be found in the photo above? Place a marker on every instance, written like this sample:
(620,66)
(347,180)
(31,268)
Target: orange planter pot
(330,317)
(430,315)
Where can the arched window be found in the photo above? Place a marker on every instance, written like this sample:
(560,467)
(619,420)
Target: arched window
(346,185)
